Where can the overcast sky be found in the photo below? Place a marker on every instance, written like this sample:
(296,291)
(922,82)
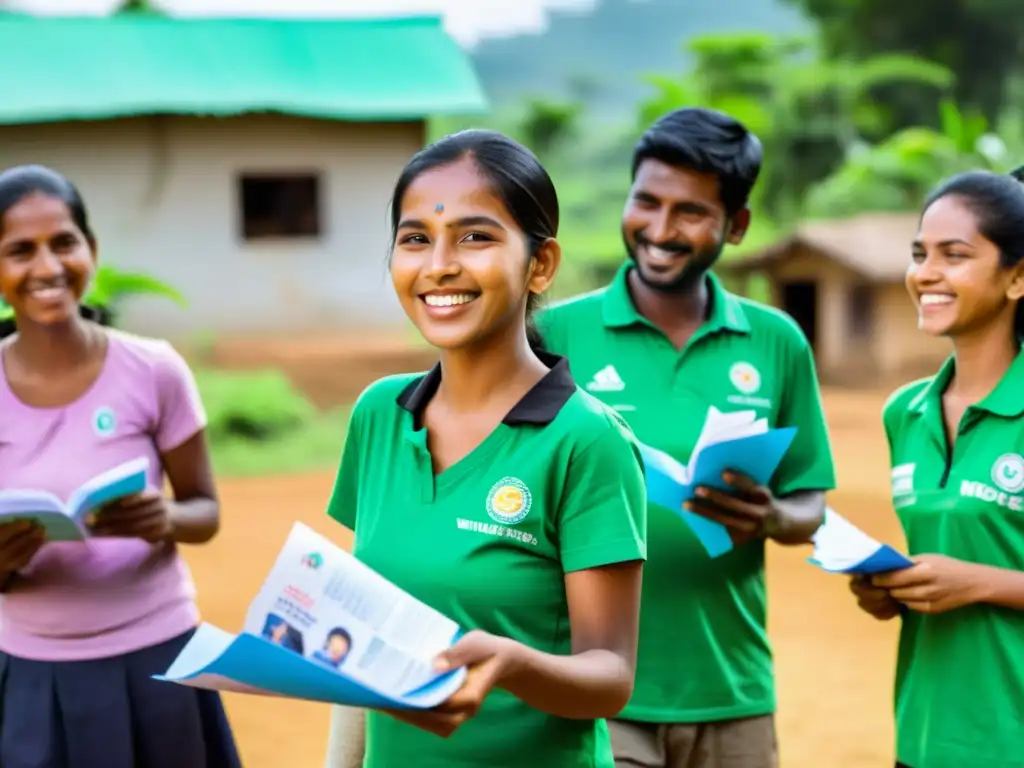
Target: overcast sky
(465,19)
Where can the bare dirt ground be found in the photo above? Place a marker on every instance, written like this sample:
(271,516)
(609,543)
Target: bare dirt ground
(834,664)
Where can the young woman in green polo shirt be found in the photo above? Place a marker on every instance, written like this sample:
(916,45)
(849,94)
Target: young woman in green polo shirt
(955,442)
(492,488)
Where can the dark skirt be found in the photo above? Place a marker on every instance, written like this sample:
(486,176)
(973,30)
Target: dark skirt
(110,713)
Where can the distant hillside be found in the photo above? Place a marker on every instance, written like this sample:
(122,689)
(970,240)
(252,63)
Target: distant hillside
(604,53)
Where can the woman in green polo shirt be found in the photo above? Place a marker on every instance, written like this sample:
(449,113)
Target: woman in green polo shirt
(492,488)
(955,442)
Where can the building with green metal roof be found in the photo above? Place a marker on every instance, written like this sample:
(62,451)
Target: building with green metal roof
(249,162)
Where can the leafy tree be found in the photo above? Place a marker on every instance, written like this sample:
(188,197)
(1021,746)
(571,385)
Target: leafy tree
(977,39)
(139,6)
(808,111)
(548,124)
(896,174)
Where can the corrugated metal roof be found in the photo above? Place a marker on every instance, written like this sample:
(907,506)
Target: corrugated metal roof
(875,245)
(131,64)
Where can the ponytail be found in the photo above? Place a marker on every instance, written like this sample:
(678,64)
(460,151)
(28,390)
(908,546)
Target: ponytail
(533,334)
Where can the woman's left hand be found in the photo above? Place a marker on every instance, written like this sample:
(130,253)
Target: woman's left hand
(143,516)
(934,584)
(489,659)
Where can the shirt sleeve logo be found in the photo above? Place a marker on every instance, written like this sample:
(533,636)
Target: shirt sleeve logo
(509,501)
(745,377)
(104,423)
(1008,473)
(903,483)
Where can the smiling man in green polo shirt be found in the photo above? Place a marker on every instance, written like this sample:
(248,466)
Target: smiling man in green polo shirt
(661,344)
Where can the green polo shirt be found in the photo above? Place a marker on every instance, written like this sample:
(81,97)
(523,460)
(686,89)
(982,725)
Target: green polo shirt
(960,674)
(704,652)
(557,487)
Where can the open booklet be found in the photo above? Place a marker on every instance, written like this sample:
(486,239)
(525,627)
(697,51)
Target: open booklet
(842,547)
(736,441)
(325,627)
(67,521)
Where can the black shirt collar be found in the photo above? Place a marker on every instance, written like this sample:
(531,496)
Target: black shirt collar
(539,406)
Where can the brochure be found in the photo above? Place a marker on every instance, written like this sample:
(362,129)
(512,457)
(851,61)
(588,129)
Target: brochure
(325,627)
(736,441)
(67,521)
(842,547)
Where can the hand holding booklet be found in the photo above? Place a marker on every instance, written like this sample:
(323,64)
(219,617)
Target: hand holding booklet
(842,547)
(736,441)
(325,627)
(68,521)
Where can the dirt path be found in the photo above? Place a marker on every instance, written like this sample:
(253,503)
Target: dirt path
(834,664)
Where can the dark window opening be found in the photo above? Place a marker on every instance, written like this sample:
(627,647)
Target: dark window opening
(800,300)
(276,206)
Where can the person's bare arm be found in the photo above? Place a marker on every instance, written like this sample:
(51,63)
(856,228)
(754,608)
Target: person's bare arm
(596,681)
(1002,587)
(798,517)
(346,745)
(195,512)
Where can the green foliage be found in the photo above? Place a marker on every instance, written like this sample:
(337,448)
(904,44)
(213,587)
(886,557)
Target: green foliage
(313,447)
(896,173)
(799,103)
(111,287)
(144,7)
(548,124)
(259,423)
(978,39)
(890,176)
(614,42)
(252,406)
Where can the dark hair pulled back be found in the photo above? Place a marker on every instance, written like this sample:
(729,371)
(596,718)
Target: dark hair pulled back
(24,180)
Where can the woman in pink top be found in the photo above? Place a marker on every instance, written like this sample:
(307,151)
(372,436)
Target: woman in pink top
(84,626)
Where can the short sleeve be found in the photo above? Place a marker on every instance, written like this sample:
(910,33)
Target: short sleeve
(889,424)
(344,498)
(893,412)
(807,465)
(603,515)
(180,408)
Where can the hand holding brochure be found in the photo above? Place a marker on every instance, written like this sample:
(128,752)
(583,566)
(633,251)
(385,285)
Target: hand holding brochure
(736,441)
(842,547)
(325,627)
(67,521)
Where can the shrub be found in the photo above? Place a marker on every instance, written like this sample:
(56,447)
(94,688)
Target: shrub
(252,405)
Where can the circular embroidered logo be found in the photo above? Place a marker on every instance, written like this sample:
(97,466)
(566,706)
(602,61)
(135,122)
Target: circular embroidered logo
(509,501)
(1008,472)
(104,422)
(745,378)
